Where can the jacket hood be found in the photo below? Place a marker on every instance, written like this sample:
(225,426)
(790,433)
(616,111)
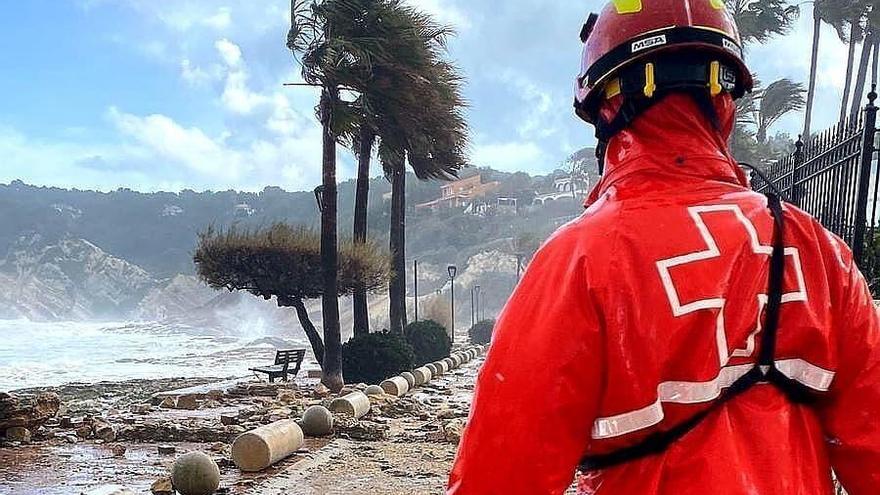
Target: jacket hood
(672,137)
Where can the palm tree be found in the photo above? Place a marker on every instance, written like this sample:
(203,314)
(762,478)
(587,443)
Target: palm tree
(854,35)
(838,14)
(759,20)
(333,54)
(436,150)
(777,99)
(409,39)
(814,61)
(425,128)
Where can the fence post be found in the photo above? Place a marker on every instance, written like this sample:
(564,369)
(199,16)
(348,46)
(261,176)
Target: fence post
(868,132)
(795,173)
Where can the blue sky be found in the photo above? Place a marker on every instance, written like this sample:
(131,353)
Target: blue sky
(173,94)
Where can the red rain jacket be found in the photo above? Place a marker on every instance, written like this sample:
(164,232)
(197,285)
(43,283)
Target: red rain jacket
(634,317)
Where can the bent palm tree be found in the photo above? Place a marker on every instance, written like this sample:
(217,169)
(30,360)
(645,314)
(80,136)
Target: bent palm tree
(777,99)
(759,20)
(333,53)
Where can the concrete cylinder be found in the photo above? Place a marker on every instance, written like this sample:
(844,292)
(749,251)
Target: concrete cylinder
(396,386)
(410,379)
(355,404)
(422,375)
(260,448)
(435,371)
(450,363)
(442,367)
(374,390)
(457,360)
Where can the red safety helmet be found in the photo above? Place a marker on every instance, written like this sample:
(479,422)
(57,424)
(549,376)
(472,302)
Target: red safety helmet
(683,44)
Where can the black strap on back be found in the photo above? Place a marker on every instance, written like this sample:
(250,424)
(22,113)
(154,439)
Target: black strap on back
(764,370)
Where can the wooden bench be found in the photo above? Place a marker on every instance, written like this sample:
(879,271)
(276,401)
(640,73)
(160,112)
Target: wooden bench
(287,362)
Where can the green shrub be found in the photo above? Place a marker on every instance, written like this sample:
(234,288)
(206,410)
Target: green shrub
(374,357)
(481,332)
(429,341)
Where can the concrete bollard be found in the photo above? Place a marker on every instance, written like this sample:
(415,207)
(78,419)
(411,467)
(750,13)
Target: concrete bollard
(450,363)
(410,379)
(396,386)
(458,360)
(355,404)
(260,448)
(435,371)
(374,390)
(422,375)
(442,367)
(195,473)
(317,421)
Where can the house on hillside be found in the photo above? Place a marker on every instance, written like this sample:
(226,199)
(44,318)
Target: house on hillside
(243,210)
(461,193)
(567,186)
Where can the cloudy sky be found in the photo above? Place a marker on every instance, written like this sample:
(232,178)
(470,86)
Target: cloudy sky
(172,94)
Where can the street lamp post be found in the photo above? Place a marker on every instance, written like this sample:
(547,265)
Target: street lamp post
(473,315)
(416,286)
(477,292)
(451,270)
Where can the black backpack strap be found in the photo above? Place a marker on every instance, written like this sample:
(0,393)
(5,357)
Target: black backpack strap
(764,370)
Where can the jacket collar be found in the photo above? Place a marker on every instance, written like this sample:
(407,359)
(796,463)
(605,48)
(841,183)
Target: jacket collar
(672,139)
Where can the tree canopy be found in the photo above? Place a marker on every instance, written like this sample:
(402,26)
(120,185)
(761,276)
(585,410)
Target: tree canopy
(283,261)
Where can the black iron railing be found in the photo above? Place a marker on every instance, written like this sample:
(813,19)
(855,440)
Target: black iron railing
(833,176)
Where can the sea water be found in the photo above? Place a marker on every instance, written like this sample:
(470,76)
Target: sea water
(36,354)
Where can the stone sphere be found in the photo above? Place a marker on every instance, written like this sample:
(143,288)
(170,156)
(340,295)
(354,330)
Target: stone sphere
(374,390)
(317,421)
(410,378)
(195,473)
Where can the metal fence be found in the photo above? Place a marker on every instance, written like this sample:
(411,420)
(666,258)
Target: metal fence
(833,176)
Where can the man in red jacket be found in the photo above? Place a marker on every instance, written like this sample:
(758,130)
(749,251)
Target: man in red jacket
(685,335)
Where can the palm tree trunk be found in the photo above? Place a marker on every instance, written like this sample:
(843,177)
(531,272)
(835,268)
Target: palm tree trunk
(814,61)
(307,325)
(359,299)
(397,284)
(874,61)
(850,59)
(331,375)
(859,91)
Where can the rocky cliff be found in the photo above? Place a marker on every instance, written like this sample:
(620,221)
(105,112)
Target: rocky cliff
(69,279)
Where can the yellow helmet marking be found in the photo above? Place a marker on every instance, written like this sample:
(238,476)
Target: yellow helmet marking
(629,6)
(612,89)
(650,87)
(715,78)
(717,4)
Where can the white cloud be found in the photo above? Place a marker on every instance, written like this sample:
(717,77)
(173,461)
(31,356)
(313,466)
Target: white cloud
(197,76)
(229,52)
(172,142)
(220,20)
(540,115)
(444,12)
(510,156)
(237,96)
